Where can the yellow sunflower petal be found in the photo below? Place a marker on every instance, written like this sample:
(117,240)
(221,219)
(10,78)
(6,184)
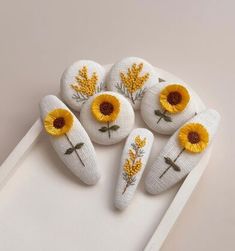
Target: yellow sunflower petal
(101,99)
(66,123)
(182,92)
(202,137)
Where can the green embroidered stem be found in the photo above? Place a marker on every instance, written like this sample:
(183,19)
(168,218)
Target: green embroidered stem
(129,183)
(164,112)
(74,148)
(108,130)
(79,97)
(172,164)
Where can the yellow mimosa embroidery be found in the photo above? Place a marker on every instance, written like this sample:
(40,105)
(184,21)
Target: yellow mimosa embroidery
(84,85)
(133,163)
(132,83)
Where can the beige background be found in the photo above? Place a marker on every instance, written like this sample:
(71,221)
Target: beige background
(192,39)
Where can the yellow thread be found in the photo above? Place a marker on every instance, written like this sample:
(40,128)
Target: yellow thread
(176,105)
(132,80)
(84,84)
(58,122)
(133,163)
(96,105)
(193,137)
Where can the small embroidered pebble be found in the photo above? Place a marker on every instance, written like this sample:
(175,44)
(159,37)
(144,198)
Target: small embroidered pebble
(107,117)
(182,152)
(80,81)
(166,106)
(69,139)
(133,161)
(131,77)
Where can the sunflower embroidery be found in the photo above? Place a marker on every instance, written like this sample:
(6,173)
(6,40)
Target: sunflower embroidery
(131,83)
(193,138)
(133,164)
(105,109)
(84,85)
(173,99)
(58,123)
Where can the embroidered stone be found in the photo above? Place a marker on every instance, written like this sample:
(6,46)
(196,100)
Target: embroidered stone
(166,106)
(69,139)
(80,81)
(133,161)
(131,77)
(107,117)
(183,152)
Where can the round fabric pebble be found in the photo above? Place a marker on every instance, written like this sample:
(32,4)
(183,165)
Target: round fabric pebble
(131,77)
(80,81)
(107,117)
(166,106)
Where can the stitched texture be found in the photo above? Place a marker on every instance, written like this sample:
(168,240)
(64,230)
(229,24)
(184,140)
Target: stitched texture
(161,120)
(131,77)
(173,163)
(114,130)
(133,161)
(74,147)
(80,81)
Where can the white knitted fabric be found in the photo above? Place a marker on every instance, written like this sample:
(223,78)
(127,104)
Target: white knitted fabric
(114,79)
(69,95)
(124,194)
(125,121)
(89,173)
(150,103)
(187,161)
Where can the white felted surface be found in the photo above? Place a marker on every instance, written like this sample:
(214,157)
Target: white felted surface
(113,77)
(44,207)
(89,173)
(125,120)
(123,200)
(150,103)
(68,78)
(187,161)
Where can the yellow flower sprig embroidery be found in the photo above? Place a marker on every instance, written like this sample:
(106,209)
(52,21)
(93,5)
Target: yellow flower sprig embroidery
(133,163)
(131,83)
(84,85)
(193,138)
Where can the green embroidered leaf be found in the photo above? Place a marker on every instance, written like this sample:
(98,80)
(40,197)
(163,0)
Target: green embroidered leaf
(79,145)
(114,127)
(167,118)
(158,113)
(69,150)
(162,115)
(161,80)
(103,129)
(172,164)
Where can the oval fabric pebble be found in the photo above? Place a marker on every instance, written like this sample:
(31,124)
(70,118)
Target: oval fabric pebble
(69,139)
(134,158)
(80,81)
(107,117)
(131,77)
(166,106)
(182,152)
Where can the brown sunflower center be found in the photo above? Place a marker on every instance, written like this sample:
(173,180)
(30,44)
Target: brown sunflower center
(193,137)
(174,98)
(58,123)
(106,108)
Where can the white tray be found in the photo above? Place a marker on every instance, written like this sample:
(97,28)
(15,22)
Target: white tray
(44,207)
